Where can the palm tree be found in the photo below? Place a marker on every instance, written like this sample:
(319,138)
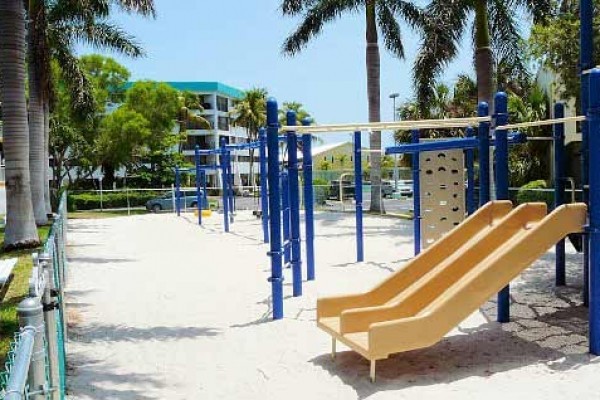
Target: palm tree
(496,35)
(251,113)
(20,228)
(380,15)
(298,108)
(54,29)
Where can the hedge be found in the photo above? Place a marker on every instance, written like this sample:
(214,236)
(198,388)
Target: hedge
(91,201)
(528,193)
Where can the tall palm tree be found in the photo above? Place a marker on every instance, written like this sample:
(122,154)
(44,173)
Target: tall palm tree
(54,29)
(251,113)
(20,228)
(380,16)
(495,35)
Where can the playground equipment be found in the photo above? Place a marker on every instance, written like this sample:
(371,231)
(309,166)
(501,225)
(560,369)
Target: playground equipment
(420,303)
(224,165)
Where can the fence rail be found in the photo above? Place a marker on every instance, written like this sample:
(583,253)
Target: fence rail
(36,364)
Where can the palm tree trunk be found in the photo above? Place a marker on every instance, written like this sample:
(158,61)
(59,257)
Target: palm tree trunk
(484,67)
(37,169)
(20,228)
(47,198)
(374,99)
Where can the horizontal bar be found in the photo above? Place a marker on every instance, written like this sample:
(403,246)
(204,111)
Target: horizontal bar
(462,143)
(212,152)
(243,146)
(397,125)
(545,122)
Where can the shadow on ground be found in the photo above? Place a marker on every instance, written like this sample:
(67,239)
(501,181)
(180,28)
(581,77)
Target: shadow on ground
(103,382)
(120,333)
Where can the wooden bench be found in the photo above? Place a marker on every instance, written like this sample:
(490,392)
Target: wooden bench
(6,275)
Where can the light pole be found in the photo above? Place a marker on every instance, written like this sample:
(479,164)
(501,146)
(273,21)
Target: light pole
(394,96)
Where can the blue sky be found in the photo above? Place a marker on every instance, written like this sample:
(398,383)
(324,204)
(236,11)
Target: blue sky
(238,43)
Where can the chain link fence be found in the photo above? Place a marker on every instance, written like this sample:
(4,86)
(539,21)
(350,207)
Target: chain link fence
(36,363)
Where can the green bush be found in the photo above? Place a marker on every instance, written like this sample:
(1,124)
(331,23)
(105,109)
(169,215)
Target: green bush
(531,193)
(321,190)
(91,201)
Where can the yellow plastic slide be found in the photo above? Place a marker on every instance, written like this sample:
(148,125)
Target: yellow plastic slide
(419,304)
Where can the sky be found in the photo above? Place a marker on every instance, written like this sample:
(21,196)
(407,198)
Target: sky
(238,42)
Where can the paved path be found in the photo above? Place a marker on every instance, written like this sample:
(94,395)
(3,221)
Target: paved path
(163,309)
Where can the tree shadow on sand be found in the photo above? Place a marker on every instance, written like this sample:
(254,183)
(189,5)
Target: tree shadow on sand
(120,333)
(97,379)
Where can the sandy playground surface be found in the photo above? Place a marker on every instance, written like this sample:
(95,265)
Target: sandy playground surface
(163,309)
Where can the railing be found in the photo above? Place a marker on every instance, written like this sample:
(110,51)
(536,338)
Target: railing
(36,363)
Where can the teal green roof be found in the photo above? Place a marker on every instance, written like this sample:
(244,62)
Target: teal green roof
(203,87)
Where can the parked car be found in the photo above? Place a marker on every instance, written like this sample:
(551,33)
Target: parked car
(405,188)
(387,189)
(188,200)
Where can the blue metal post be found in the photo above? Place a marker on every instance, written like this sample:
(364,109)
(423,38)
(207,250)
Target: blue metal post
(484,155)
(294,191)
(230,192)
(204,191)
(470,161)
(276,278)
(177,191)
(559,187)
(586,62)
(309,218)
(416,193)
(358,196)
(501,174)
(224,185)
(285,205)
(264,201)
(199,199)
(593,117)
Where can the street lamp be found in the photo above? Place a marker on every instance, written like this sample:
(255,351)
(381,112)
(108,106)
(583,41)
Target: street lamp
(394,96)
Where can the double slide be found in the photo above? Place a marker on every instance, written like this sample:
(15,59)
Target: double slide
(420,303)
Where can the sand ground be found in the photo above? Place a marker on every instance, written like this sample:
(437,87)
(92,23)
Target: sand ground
(163,309)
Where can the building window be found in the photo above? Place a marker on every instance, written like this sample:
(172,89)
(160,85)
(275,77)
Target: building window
(224,123)
(222,104)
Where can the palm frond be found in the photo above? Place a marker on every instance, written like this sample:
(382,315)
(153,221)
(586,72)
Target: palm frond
(506,39)
(390,29)
(315,18)
(295,7)
(445,24)
(103,35)
(80,87)
(408,11)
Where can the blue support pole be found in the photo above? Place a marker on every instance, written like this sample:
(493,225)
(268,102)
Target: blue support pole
(276,278)
(264,201)
(199,200)
(593,117)
(501,174)
(358,196)
(484,154)
(230,192)
(204,191)
(470,164)
(177,191)
(309,218)
(294,200)
(285,205)
(586,62)
(416,193)
(224,185)
(559,187)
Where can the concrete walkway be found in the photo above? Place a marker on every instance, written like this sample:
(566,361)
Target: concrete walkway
(162,309)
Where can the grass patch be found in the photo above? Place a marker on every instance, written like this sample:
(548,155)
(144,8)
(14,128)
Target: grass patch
(104,214)
(17,291)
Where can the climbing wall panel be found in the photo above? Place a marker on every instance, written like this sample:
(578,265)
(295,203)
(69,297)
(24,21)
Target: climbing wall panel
(442,193)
